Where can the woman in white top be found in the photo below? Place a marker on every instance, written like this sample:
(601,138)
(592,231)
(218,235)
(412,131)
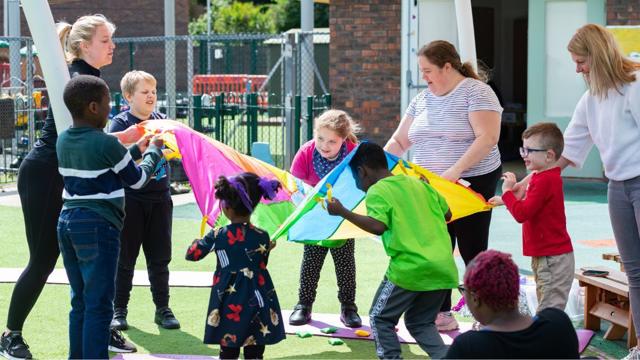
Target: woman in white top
(454,126)
(608,115)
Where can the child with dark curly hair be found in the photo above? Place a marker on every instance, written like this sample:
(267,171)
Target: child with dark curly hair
(243,308)
(491,289)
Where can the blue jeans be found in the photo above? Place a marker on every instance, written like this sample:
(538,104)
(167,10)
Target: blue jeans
(90,246)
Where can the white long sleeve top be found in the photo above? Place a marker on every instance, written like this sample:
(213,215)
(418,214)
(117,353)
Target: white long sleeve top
(613,125)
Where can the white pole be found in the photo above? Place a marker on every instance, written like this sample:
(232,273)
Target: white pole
(466,38)
(51,56)
(305,45)
(170,57)
(208,34)
(12,29)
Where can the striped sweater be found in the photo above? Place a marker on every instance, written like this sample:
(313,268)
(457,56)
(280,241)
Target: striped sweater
(94,166)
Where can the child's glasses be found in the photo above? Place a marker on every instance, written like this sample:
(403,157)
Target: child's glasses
(525,151)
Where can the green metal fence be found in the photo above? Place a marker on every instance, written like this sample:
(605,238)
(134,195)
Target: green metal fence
(239,120)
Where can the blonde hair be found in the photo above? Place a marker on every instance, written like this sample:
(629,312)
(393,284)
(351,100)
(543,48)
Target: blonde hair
(71,36)
(608,67)
(440,52)
(340,122)
(132,78)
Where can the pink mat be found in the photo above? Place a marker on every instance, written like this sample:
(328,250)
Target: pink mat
(584,337)
(321,321)
(161,356)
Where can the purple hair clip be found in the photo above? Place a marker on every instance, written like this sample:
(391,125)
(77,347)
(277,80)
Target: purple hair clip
(244,197)
(269,187)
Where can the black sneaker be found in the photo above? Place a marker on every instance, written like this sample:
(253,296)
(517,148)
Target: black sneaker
(118,344)
(13,347)
(165,318)
(119,321)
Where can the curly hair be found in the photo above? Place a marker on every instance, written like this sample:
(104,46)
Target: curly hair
(493,277)
(230,191)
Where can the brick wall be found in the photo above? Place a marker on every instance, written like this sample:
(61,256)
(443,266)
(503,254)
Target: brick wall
(364,63)
(623,12)
(132,18)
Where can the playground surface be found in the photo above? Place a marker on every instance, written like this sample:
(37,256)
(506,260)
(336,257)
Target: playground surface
(46,328)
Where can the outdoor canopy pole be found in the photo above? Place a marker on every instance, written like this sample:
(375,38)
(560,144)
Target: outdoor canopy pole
(466,38)
(52,60)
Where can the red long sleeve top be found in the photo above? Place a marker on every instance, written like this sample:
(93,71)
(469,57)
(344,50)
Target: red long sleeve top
(541,213)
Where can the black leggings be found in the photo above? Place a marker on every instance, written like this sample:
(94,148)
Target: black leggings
(345,266)
(472,232)
(40,189)
(250,352)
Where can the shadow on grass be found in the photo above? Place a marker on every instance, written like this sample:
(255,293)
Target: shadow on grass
(169,342)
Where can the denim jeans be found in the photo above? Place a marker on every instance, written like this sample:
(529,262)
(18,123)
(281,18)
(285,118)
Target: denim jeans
(89,245)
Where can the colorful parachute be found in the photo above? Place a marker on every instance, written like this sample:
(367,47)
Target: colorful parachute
(311,220)
(205,159)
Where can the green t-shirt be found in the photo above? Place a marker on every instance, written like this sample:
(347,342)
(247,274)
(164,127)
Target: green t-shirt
(416,238)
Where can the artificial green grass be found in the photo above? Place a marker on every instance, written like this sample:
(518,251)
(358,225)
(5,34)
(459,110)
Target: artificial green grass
(46,328)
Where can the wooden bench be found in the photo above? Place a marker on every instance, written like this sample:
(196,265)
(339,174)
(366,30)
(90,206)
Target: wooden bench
(614,257)
(607,298)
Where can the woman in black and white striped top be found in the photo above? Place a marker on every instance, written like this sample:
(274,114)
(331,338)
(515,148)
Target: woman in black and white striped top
(454,126)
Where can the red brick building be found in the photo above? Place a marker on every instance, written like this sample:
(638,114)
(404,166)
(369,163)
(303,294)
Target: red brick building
(365,56)
(132,18)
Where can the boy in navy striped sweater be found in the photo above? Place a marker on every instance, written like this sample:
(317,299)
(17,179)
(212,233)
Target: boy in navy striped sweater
(94,167)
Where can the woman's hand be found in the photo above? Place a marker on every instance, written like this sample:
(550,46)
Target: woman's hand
(451,174)
(272,245)
(496,201)
(509,181)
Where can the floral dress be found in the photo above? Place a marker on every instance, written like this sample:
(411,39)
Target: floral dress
(243,307)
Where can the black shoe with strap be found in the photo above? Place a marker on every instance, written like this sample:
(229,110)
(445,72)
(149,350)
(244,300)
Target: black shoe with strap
(165,318)
(349,316)
(301,315)
(119,321)
(118,344)
(13,347)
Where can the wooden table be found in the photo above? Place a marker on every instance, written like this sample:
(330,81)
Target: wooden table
(607,298)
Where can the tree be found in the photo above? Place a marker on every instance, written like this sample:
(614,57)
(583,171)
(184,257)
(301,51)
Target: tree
(234,18)
(287,15)
(244,18)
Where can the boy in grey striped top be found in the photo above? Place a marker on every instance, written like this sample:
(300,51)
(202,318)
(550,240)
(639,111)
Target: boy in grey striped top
(94,166)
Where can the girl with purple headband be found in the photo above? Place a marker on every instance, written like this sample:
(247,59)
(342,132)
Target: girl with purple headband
(243,307)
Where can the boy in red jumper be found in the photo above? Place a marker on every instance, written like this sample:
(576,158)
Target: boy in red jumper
(540,208)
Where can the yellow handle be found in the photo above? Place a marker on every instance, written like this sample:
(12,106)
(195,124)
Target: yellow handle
(329,192)
(203,224)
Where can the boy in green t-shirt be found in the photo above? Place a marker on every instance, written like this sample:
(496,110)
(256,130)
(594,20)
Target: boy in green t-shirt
(411,216)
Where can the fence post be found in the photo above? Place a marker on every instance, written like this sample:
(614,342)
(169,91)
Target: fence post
(131,54)
(327,101)
(254,125)
(297,122)
(219,116)
(197,113)
(310,116)
(117,102)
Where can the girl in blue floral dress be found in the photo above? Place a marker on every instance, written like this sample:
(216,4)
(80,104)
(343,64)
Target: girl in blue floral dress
(243,307)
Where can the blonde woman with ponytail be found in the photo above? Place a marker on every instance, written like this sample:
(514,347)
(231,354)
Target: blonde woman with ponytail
(88,47)
(608,116)
(454,127)
(334,138)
